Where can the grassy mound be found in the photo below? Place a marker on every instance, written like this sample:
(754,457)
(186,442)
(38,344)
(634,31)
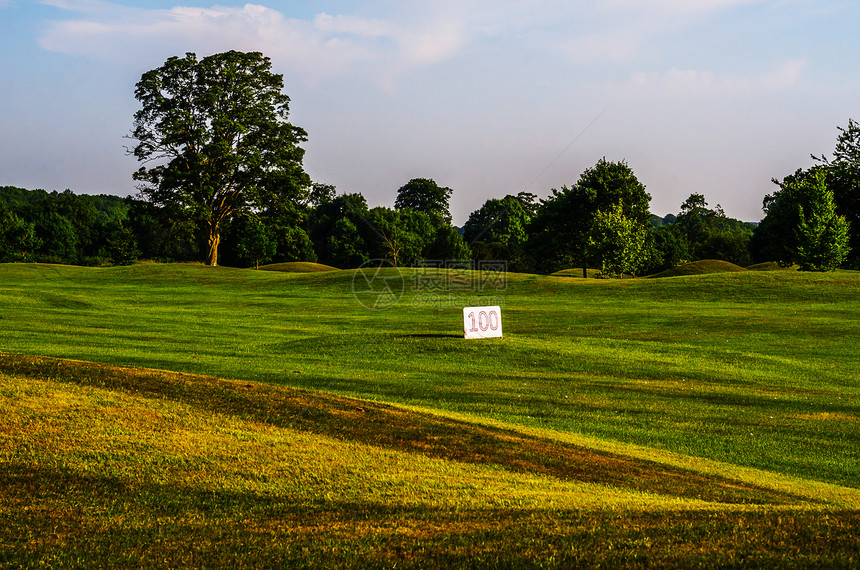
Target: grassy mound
(121,466)
(298,267)
(771,266)
(701,267)
(576,272)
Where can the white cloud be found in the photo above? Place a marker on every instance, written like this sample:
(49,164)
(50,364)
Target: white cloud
(685,83)
(328,45)
(677,6)
(622,31)
(351,25)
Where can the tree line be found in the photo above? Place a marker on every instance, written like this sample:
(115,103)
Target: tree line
(221,181)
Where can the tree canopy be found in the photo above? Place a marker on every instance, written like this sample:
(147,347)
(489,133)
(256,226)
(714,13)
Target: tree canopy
(843,179)
(215,131)
(424,195)
(801,224)
(561,231)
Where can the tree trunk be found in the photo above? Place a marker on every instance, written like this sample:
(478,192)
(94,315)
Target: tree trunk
(214,240)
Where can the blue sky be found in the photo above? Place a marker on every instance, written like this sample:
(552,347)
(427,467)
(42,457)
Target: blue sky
(487,97)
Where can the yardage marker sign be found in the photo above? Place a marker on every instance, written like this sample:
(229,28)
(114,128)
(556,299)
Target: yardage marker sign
(482,322)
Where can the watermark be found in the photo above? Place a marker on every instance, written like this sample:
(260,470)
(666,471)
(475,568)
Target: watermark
(460,275)
(379,284)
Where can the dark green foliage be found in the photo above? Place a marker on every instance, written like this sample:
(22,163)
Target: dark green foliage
(801,224)
(163,233)
(401,236)
(294,244)
(255,243)
(58,227)
(709,234)
(843,179)
(498,231)
(288,230)
(558,233)
(321,193)
(424,195)
(217,129)
(341,231)
(562,226)
(18,241)
(503,221)
(668,249)
(447,243)
(60,243)
(122,246)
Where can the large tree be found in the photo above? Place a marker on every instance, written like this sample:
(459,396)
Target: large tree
(424,195)
(801,224)
(340,231)
(560,232)
(710,234)
(400,236)
(843,179)
(216,133)
(498,230)
(617,243)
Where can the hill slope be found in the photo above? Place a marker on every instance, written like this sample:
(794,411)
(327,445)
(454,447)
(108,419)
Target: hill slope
(106,458)
(702,267)
(298,267)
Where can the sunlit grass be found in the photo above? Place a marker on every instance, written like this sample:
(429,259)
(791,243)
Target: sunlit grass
(722,367)
(109,466)
(700,419)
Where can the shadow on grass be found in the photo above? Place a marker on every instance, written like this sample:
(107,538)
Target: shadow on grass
(396,428)
(429,335)
(86,520)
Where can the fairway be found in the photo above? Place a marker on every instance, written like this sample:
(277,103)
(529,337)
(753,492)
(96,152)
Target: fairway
(611,413)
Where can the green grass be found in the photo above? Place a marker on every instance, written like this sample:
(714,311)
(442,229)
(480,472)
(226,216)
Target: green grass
(702,267)
(613,415)
(298,267)
(132,467)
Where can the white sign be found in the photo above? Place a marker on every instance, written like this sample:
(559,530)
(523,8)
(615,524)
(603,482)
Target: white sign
(482,322)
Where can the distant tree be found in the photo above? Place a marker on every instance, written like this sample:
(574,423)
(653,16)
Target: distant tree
(561,229)
(498,220)
(619,244)
(287,227)
(801,224)
(216,131)
(843,179)
(710,234)
(122,245)
(58,237)
(447,243)
(341,232)
(18,240)
(255,243)
(821,234)
(163,233)
(668,249)
(401,235)
(321,193)
(424,195)
(293,244)
(499,230)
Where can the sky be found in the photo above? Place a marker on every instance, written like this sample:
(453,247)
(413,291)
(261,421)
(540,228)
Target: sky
(487,97)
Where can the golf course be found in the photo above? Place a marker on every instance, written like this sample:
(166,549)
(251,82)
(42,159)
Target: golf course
(177,415)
